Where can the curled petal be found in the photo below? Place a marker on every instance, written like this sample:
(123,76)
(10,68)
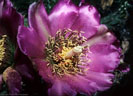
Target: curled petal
(102,29)
(81,84)
(88,18)
(102,83)
(104,38)
(9,19)
(29,42)
(90,82)
(13,81)
(60,19)
(104,57)
(61,88)
(90,14)
(38,20)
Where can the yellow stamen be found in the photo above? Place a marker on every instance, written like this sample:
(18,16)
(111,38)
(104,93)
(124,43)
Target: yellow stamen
(2,48)
(63,52)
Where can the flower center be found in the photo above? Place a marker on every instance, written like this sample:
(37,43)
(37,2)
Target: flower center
(64,52)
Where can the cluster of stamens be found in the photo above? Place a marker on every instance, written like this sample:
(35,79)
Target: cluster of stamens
(4,52)
(2,48)
(63,52)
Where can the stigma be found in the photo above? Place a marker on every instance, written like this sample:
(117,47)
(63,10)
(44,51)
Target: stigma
(75,51)
(64,52)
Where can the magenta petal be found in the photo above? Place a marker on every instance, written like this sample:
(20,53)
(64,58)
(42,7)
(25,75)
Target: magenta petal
(88,18)
(29,42)
(102,83)
(61,88)
(44,70)
(90,82)
(62,16)
(38,20)
(102,28)
(104,57)
(23,65)
(81,84)
(101,38)
(9,19)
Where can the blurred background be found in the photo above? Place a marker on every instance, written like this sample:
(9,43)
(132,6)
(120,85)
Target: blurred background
(118,16)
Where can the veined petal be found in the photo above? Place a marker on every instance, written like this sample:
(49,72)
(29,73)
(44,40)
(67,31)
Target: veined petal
(104,57)
(81,84)
(104,38)
(61,88)
(9,19)
(90,82)
(29,42)
(102,83)
(38,20)
(62,16)
(88,18)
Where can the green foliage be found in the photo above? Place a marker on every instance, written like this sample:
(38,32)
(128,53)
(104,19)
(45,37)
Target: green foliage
(22,5)
(4,90)
(49,4)
(116,20)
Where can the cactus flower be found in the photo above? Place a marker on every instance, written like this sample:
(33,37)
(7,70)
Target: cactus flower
(70,48)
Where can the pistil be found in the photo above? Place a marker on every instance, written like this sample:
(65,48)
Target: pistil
(75,51)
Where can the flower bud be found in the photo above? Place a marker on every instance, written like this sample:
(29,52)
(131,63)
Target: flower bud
(13,81)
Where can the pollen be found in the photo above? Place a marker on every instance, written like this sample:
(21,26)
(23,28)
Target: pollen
(64,51)
(5,52)
(2,48)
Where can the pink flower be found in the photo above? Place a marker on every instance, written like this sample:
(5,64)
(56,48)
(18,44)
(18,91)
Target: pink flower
(70,48)
(10,19)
